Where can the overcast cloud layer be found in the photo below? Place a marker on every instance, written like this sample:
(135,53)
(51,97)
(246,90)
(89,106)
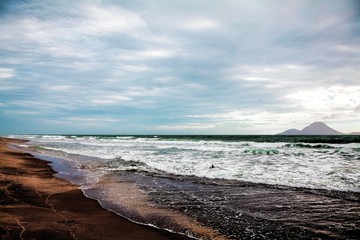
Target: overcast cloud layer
(155,67)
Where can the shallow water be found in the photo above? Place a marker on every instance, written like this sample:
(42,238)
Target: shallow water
(242,210)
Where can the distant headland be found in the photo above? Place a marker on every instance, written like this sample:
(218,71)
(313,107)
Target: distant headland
(316,128)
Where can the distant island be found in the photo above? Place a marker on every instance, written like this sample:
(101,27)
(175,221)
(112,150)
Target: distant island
(316,128)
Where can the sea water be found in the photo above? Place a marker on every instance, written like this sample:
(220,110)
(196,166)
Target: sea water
(243,187)
(317,162)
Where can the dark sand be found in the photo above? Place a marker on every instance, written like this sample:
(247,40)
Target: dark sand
(36,205)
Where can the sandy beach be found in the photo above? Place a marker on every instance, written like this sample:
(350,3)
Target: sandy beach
(37,205)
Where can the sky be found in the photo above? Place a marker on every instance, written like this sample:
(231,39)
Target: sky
(179,66)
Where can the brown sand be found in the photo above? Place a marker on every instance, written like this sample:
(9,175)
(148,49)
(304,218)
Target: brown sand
(36,205)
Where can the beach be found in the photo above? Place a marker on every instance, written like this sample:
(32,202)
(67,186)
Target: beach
(119,173)
(36,205)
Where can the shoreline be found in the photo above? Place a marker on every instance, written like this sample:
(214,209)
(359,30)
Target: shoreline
(228,208)
(134,206)
(36,204)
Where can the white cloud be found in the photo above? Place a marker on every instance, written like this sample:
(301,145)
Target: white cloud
(357,108)
(146,54)
(7,72)
(187,126)
(266,72)
(156,53)
(135,68)
(110,19)
(71,34)
(252,78)
(142,93)
(233,62)
(59,87)
(326,99)
(198,24)
(243,122)
(21,112)
(347,48)
(110,99)
(271,122)
(289,78)
(92,121)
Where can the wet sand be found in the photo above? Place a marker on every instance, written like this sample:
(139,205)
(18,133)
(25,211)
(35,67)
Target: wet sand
(36,205)
(244,210)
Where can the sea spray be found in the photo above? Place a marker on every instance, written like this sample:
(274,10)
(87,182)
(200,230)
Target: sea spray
(293,161)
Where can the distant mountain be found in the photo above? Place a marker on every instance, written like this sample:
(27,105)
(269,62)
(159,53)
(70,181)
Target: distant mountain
(354,133)
(316,128)
(319,128)
(292,131)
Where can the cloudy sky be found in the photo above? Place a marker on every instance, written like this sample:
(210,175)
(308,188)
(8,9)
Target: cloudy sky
(179,66)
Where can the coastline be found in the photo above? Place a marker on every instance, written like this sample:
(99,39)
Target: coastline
(37,205)
(209,208)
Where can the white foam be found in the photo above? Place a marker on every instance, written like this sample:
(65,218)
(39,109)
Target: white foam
(272,163)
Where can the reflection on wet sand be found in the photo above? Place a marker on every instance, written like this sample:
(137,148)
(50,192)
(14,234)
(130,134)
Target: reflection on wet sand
(243,210)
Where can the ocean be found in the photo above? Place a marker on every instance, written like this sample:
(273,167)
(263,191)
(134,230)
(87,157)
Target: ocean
(197,176)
